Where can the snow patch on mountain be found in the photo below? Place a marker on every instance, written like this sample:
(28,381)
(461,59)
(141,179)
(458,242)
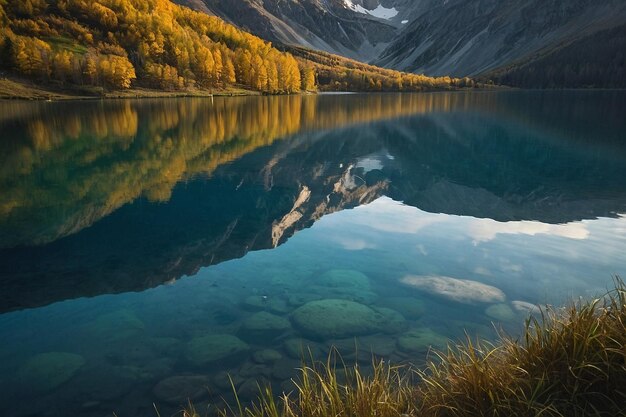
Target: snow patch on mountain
(381,12)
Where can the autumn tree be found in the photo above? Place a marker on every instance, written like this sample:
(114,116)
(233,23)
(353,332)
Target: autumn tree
(308,78)
(112,43)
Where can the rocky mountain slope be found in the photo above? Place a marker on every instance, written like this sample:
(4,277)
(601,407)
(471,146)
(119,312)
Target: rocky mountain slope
(469,38)
(504,40)
(343,27)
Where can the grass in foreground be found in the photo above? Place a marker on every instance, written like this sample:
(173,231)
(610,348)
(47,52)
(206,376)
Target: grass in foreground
(568,362)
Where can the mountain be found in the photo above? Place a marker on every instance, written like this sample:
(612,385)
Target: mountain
(487,37)
(530,43)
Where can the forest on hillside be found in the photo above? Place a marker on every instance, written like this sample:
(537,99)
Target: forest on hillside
(115,43)
(596,61)
(119,44)
(337,73)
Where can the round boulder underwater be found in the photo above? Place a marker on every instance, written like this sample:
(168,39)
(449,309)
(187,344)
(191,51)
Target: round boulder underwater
(332,318)
(263,327)
(205,350)
(344,278)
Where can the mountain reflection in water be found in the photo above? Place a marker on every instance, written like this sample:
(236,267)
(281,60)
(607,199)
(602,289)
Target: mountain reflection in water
(108,197)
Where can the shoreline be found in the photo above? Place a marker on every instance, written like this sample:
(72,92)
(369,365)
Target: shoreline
(12,88)
(17,89)
(21,89)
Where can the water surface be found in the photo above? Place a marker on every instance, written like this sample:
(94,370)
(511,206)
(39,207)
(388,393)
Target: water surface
(150,247)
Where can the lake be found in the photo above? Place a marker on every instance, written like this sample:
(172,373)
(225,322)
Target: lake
(149,249)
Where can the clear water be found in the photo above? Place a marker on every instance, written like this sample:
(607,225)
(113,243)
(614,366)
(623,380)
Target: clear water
(138,238)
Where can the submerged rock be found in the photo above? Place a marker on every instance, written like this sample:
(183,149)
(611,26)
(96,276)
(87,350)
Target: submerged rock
(344,284)
(344,278)
(167,346)
(252,387)
(411,308)
(525,307)
(357,295)
(285,368)
(460,290)
(266,356)
(377,345)
(208,349)
(103,382)
(251,369)
(225,381)
(332,318)
(298,299)
(179,389)
(267,303)
(47,371)
(500,312)
(302,349)
(263,327)
(421,340)
(116,326)
(363,347)
(392,321)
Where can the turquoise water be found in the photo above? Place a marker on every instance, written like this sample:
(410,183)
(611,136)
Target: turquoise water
(149,249)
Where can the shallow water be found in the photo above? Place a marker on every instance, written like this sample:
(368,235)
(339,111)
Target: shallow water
(152,247)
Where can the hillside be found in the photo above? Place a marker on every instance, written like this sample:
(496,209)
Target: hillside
(330,26)
(118,43)
(156,44)
(337,73)
(533,43)
(596,61)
